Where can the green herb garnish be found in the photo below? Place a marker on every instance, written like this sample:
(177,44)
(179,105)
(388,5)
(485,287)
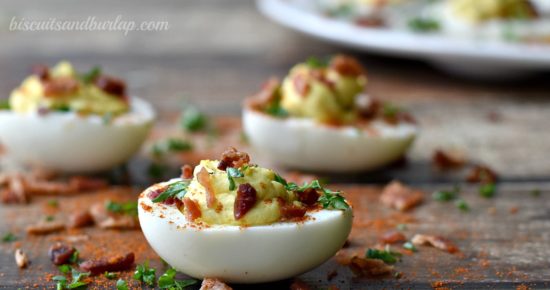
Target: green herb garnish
(53,203)
(127,208)
(410,246)
(167,281)
(386,255)
(462,205)
(8,238)
(145,274)
(171,145)
(156,170)
(328,200)
(5,104)
(121,285)
(280,180)
(424,24)
(275,109)
(91,75)
(176,189)
(193,120)
(49,218)
(314,62)
(446,195)
(110,275)
(535,192)
(64,268)
(74,257)
(77,280)
(487,190)
(233,173)
(390,111)
(402,227)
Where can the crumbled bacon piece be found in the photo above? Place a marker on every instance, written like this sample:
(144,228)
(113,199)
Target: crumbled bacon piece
(371,21)
(80,219)
(192,210)
(44,228)
(300,85)
(298,284)
(155,192)
(308,197)
(233,158)
(84,183)
(108,220)
(398,196)
(214,284)
(41,71)
(113,264)
(346,65)
(368,107)
(59,87)
(392,237)
(245,200)
(60,253)
(447,160)
(482,174)
(365,267)
(203,177)
(15,193)
(186,171)
(21,259)
(111,85)
(267,94)
(331,275)
(435,241)
(292,212)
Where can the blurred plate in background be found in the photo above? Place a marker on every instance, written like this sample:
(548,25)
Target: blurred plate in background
(467,57)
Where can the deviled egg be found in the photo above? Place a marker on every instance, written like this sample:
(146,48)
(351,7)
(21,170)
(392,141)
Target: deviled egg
(509,20)
(65,121)
(242,223)
(320,119)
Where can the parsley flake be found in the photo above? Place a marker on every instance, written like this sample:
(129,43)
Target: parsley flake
(127,208)
(176,189)
(233,173)
(386,255)
(167,281)
(193,120)
(446,195)
(424,24)
(462,205)
(487,190)
(8,238)
(121,285)
(91,75)
(145,274)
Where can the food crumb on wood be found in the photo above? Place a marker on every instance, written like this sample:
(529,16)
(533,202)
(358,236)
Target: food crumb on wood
(435,241)
(446,160)
(214,284)
(45,227)
(21,259)
(298,284)
(398,196)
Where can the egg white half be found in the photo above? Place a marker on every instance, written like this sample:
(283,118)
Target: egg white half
(304,144)
(67,142)
(236,254)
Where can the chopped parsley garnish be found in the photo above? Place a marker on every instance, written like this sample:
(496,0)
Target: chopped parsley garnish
(314,62)
(145,274)
(409,246)
(91,75)
(386,255)
(487,190)
(389,110)
(329,199)
(280,180)
(176,189)
(53,203)
(49,218)
(77,280)
(5,104)
(64,268)
(8,238)
(167,281)
(424,24)
(74,257)
(171,145)
(446,195)
(193,120)
(156,170)
(402,227)
(462,205)
(121,285)
(233,173)
(110,275)
(342,11)
(535,192)
(62,108)
(275,109)
(127,208)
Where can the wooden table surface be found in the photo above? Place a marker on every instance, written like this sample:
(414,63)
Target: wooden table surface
(216,53)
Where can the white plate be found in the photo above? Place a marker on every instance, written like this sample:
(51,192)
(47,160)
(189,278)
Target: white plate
(463,56)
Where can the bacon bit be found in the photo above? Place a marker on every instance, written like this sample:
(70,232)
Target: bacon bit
(107,220)
(392,237)
(83,183)
(113,264)
(346,65)
(368,107)
(186,172)
(233,158)
(398,196)
(447,160)
(214,284)
(59,87)
(192,210)
(60,253)
(80,219)
(155,192)
(301,85)
(15,193)
(41,71)
(364,267)
(298,284)
(111,85)
(308,196)
(245,200)
(266,95)
(292,212)
(435,241)
(482,174)
(331,275)
(203,178)
(76,238)
(514,210)
(372,21)
(21,259)
(44,228)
